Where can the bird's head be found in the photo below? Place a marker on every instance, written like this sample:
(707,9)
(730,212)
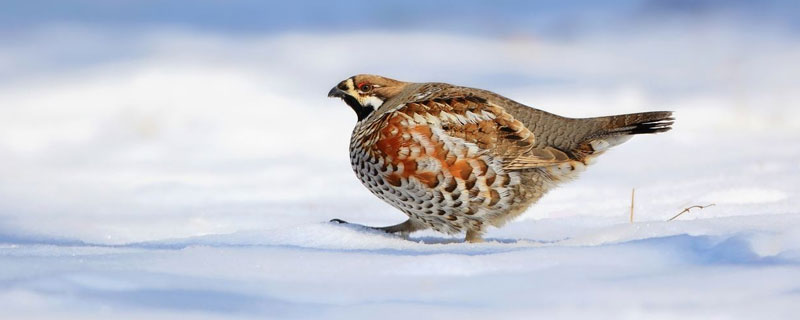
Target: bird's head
(365,92)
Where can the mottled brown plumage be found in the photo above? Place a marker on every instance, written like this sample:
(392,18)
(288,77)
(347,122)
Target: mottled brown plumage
(458,159)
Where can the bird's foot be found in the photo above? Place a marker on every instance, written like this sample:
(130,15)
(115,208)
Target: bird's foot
(403,229)
(473,236)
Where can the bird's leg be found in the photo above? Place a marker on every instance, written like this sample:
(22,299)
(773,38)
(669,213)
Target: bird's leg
(403,228)
(473,236)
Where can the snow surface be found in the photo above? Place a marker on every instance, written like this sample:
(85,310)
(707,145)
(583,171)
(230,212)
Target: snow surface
(193,177)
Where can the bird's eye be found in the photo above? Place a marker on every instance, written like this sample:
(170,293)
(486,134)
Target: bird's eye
(365,87)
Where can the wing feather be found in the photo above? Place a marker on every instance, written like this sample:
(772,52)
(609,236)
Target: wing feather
(489,126)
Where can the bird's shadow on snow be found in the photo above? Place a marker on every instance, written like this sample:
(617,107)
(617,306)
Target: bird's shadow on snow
(432,239)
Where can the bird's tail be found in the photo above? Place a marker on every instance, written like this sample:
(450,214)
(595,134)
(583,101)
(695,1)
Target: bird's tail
(613,130)
(638,123)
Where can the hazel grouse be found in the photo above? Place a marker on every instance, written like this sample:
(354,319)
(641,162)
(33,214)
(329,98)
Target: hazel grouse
(459,159)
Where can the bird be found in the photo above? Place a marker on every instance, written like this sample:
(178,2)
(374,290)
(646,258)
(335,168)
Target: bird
(458,160)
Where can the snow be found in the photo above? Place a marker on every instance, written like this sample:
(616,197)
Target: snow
(194,178)
(325,270)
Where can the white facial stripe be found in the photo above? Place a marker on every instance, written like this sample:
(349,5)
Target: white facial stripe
(372,101)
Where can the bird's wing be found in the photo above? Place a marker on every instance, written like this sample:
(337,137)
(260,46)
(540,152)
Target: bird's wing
(473,118)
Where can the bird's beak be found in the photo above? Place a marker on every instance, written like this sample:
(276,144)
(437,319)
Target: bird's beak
(336,93)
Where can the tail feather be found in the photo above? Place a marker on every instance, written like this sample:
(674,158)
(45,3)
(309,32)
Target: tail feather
(639,123)
(614,130)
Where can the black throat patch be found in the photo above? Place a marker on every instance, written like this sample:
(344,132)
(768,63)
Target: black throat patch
(361,111)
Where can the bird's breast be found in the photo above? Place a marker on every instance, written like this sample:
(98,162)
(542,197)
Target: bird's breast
(409,161)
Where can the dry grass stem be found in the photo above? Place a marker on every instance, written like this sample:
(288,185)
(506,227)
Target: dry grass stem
(633,192)
(685,210)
